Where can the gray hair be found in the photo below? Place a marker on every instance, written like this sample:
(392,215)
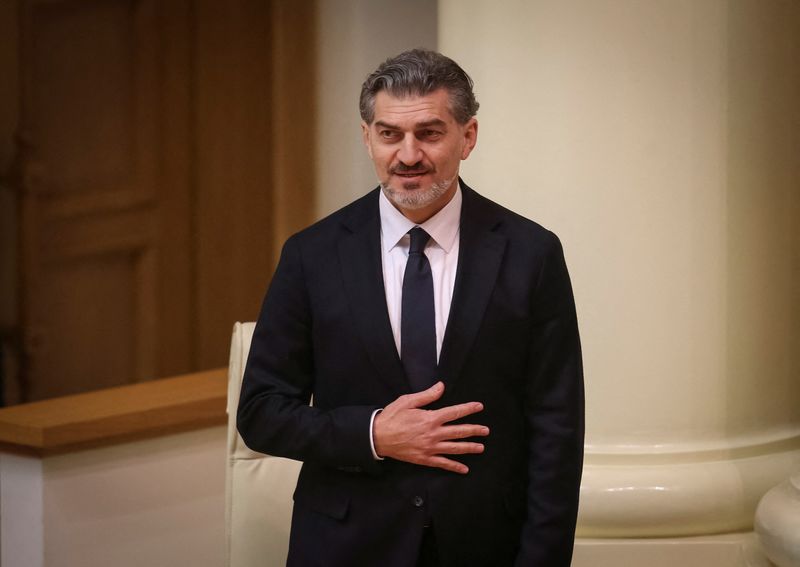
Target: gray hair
(420,72)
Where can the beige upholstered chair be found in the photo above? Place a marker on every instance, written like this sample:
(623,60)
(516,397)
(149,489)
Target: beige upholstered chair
(258,495)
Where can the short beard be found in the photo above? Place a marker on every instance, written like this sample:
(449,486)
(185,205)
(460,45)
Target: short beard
(418,198)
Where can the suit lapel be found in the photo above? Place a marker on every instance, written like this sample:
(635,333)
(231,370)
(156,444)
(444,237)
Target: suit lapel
(479,258)
(362,272)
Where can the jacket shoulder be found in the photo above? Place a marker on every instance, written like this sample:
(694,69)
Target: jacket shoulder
(350,216)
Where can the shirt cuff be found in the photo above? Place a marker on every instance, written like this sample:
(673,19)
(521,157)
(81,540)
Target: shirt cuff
(372,436)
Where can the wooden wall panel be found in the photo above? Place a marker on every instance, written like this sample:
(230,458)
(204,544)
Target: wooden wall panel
(83,98)
(90,192)
(234,167)
(294,113)
(255,117)
(90,304)
(176,294)
(164,153)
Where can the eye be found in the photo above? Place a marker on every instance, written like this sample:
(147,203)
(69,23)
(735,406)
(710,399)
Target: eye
(431,134)
(388,135)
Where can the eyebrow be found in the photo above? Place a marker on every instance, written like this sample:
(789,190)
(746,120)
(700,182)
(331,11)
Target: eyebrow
(418,126)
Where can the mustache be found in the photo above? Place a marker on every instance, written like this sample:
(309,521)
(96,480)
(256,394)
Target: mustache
(418,167)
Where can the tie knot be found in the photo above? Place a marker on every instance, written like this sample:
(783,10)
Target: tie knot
(419,238)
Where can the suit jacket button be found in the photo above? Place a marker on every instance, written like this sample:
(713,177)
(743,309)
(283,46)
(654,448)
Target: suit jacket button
(419,501)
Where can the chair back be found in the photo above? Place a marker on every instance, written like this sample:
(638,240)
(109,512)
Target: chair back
(258,495)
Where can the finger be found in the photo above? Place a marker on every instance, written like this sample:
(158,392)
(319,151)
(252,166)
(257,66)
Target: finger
(459,448)
(451,413)
(462,431)
(447,464)
(423,398)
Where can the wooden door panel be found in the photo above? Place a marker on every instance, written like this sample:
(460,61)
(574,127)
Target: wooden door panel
(91,304)
(91,245)
(164,149)
(82,103)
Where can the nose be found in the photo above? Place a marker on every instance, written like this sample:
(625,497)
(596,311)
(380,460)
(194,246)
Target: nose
(409,152)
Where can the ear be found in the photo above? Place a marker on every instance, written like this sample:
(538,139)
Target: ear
(470,134)
(365,137)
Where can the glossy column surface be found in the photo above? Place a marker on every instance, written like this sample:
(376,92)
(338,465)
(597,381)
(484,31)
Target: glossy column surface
(659,140)
(778,523)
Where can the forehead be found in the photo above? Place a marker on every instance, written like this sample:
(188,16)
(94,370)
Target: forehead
(412,109)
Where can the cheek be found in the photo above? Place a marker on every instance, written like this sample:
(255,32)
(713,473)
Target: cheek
(448,162)
(382,159)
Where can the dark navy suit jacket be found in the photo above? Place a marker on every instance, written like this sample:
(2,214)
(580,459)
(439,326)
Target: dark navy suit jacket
(511,342)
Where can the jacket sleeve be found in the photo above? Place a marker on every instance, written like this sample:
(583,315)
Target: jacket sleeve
(274,415)
(554,406)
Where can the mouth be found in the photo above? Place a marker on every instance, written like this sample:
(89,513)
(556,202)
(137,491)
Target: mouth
(409,174)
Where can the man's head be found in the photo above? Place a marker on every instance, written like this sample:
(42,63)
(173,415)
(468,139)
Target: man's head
(418,121)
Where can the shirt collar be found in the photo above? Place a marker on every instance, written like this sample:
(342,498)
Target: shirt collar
(443,226)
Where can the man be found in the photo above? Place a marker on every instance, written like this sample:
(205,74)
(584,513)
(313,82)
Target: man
(436,332)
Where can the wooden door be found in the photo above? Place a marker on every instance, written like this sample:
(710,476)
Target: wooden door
(150,204)
(97,253)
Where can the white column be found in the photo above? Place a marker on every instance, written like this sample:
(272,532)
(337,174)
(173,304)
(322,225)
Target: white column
(661,141)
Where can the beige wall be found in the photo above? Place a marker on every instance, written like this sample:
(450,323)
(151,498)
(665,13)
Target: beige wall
(354,36)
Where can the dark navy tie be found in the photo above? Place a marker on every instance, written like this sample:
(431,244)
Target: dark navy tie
(417,319)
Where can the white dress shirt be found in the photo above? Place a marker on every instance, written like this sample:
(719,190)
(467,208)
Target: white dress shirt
(442,253)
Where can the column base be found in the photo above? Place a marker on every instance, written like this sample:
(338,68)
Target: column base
(778,523)
(687,492)
(727,550)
